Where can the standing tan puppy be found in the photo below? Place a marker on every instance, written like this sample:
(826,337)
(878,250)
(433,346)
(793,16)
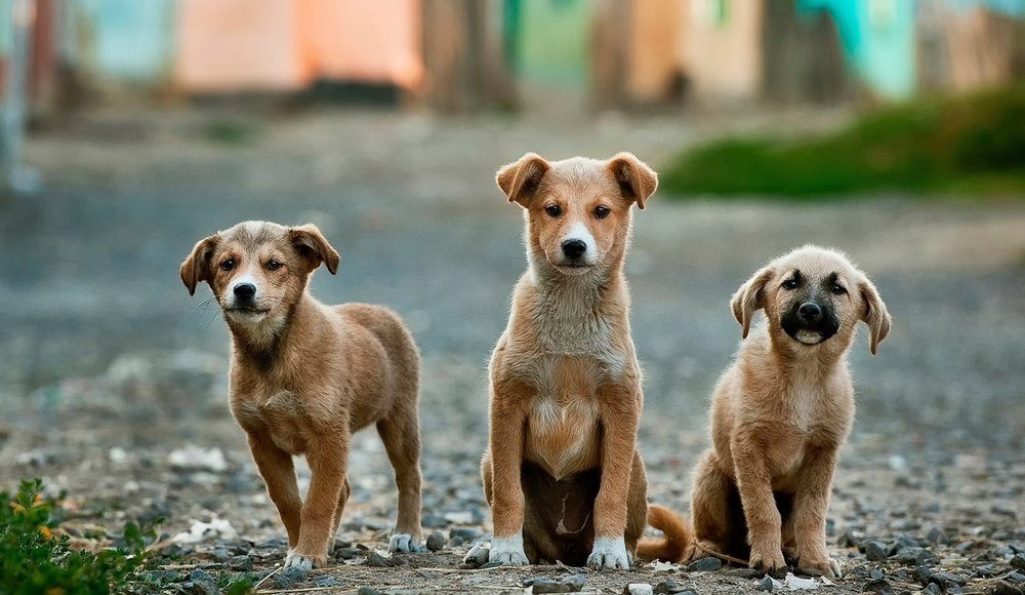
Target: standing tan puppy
(561,473)
(305,376)
(779,416)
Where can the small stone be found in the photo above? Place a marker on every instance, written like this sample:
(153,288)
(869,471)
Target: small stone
(1018,562)
(914,556)
(348,553)
(376,560)
(1016,577)
(709,564)
(849,538)
(670,587)
(290,577)
(947,580)
(368,591)
(880,586)
(923,574)
(461,535)
(987,570)
(765,584)
(1003,588)
(875,574)
(932,589)
(564,584)
(477,556)
(876,551)
(324,582)
(638,589)
(220,554)
(240,563)
(936,536)
(436,541)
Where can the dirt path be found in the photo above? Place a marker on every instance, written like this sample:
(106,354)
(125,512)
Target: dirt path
(107,366)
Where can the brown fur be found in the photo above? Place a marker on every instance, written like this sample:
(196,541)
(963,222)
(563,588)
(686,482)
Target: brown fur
(780,414)
(305,376)
(562,471)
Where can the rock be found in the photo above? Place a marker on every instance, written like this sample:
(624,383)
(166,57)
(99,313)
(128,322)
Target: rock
(671,587)
(477,556)
(638,589)
(936,536)
(369,591)
(436,541)
(709,564)
(240,563)
(880,586)
(290,577)
(875,551)
(461,535)
(220,554)
(1018,562)
(849,538)
(932,589)
(1016,577)
(376,560)
(348,553)
(987,570)
(914,556)
(571,583)
(1003,588)
(324,582)
(194,458)
(200,531)
(947,580)
(766,584)
(201,583)
(796,583)
(923,574)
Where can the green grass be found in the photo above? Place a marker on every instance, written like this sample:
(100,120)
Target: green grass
(972,144)
(36,558)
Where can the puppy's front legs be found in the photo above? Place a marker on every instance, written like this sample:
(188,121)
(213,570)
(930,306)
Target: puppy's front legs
(278,472)
(764,524)
(506,443)
(810,506)
(620,413)
(327,469)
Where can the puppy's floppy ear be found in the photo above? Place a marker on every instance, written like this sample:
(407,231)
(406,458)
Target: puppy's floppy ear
(520,180)
(196,267)
(636,180)
(750,298)
(876,316)
(314,247)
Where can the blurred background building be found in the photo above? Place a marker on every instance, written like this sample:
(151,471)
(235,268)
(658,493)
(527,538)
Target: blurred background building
(457,55)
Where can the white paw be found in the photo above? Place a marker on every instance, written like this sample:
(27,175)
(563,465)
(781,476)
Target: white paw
(508,551)
(294,560)
(404,543)
(609,553)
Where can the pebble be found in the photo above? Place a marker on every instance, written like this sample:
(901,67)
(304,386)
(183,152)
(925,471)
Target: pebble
(240,563)
(477,556)
(638,589)
(369,591)
(914,556)
(1018,562)
(564,584)
(436,541)
(709,564)
(290,577)
(932,589)
(765,584)
(324,581)
(876,551)
(376,560)
(936,536)
(671,587)
(1003,588)
(880,586)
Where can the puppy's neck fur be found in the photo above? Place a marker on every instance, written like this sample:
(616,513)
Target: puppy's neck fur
(263,343)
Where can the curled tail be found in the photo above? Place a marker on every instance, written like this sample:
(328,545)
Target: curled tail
(677,536)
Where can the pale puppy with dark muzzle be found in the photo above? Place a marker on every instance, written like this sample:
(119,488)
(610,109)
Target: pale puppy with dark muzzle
(305,376)
(780,414)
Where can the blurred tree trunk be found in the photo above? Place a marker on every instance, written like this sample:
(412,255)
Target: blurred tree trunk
(802,60)
(610,46)
(464,58)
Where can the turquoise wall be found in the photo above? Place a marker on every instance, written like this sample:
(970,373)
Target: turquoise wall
(131,40)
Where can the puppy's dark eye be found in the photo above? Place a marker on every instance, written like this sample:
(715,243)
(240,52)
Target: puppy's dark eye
(273,265)
(602,211)
(553,210)
(790,284)
(227,265)
(838,289)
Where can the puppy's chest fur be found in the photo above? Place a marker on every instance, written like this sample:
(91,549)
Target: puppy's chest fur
(281,415)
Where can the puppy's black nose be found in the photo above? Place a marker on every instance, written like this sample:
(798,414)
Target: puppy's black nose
(574,249)
(810,312)
(245,291)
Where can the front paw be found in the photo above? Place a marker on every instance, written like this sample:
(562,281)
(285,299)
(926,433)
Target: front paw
(404,543)
(609,553)
(304,561)
(507,551)
(768,560)
(822,566)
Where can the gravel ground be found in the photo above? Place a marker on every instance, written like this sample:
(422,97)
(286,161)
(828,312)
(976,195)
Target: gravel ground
(113,380)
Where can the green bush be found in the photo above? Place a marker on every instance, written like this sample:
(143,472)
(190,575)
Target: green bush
(967,144)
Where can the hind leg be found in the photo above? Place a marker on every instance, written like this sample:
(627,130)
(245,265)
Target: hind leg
(711,510)
(342,499)
(401,435)
(637,504)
